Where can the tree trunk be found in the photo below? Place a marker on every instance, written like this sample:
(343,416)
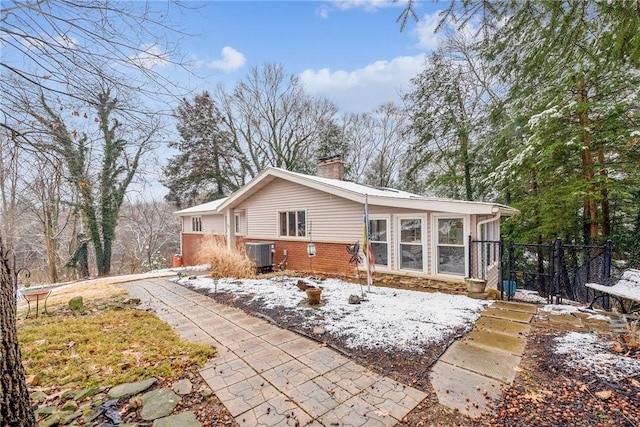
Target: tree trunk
(15,407)
(591,205)
(604,192)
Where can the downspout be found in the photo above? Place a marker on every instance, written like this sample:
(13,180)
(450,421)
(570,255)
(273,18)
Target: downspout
(495,217)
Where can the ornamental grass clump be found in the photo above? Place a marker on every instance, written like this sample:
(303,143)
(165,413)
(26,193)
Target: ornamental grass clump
(225,262)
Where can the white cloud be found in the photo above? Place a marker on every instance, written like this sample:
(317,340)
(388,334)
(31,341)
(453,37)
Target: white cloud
(150,56)
(231,60)
(368,5)
(425,31)
(366,88)
(323,11)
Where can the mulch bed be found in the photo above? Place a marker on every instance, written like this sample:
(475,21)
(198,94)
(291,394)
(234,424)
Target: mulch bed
(546,391)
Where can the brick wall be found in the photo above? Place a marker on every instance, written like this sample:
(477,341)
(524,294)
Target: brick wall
(330,257)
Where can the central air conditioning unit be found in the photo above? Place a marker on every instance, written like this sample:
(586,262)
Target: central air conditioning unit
(261,254)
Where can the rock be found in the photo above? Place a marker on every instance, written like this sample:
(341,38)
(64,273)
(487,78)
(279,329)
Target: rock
(66,417)
(87,392)
(133,301)
(158,403)
(67,395)
(319,330)
(70,406)
(76,305)
(98,399)
(129,389)
(184,419)
(494,294)
(206,393)
(354,299)
(45,410)
(50,421)
(38,396)
(182,387)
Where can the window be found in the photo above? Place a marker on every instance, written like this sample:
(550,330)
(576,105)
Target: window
(293,223)
(237,224)
(196,223)
(379,242)
(450,246)
(411,244)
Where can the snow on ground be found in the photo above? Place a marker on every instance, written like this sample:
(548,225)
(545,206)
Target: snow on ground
(588,351)
(390,319)
(559,309)
(529,296)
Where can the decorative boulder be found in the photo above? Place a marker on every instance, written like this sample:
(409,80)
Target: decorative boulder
(76,305)
(354,299)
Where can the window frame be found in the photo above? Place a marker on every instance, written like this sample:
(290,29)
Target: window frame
(196,224)
(387,219)
(300,233)
(437,245)
(422,244)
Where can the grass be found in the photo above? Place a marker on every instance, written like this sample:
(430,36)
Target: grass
(104,348)
(225,262)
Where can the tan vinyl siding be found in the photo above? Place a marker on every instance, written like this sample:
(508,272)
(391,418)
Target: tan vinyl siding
(213,224)
(329,218)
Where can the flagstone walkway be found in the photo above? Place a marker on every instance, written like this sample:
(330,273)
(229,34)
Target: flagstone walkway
(471,373)
(267,376)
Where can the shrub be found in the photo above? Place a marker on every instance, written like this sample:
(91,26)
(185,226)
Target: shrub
(225,262)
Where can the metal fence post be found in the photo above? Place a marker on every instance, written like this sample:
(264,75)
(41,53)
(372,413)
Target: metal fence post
(470,269)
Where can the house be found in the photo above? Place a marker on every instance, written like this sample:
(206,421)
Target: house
(410,234)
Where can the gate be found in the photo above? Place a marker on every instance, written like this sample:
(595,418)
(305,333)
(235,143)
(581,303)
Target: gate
(553,270)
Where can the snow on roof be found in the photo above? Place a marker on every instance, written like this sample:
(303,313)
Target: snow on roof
(205,207)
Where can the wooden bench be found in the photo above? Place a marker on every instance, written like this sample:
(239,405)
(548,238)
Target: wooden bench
(626,288)
(36,295)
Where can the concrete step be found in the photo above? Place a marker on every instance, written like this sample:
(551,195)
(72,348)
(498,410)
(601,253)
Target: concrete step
(511,344)
(461,389)
(502,326)
(482,360)
(516,316)
(516,306)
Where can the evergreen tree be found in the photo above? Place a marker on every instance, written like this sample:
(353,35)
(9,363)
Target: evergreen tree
(204,169)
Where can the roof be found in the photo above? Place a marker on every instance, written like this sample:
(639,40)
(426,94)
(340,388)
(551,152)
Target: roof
(356,192)
(203,208)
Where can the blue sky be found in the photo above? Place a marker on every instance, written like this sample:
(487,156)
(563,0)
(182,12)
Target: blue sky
(351,52)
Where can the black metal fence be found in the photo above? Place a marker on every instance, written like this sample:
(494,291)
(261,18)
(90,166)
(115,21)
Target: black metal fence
(554,270)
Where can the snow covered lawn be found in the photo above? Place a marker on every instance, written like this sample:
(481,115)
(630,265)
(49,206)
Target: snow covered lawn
(389,319)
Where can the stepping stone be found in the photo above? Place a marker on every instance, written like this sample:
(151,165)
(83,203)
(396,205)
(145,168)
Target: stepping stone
(515,316)
(460,388)
(502,326)
(182,387)
(129,389)
(184,419)
(482,360)
(513,344)
(516,306)
(158,403)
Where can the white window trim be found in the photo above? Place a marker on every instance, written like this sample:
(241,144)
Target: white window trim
(306,224)
(389,241)
(398,238)
(196,219)
(466,226)
(237,217)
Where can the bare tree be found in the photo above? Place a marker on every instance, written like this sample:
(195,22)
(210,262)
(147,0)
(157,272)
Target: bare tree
(272,122)
(52,48)
(377,145)
(148,234)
